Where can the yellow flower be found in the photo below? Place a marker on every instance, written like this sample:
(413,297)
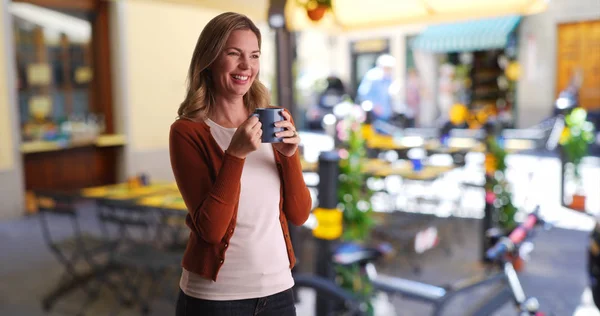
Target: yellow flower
(490,164)
(564,136)
(458,114)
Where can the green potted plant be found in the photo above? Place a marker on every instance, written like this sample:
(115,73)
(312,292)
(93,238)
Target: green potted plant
(355,199)
(577,135)
(496,186)
(353,195)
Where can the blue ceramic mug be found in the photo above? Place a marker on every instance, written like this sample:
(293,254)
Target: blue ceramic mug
(268,117)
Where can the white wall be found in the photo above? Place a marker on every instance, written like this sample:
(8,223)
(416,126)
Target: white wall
(12,193)
(152,44)
(536,91)
(6,142)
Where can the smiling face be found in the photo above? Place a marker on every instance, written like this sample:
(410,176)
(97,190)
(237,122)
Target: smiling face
(238,64)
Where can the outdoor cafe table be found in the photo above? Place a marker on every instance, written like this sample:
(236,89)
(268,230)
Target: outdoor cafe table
(124,193)
(171,201)
(383,143)
(123,197)
(455,144)
(120,196)
(382,168)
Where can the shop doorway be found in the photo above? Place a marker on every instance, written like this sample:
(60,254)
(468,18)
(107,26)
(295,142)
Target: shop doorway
(364,54)
(578,53)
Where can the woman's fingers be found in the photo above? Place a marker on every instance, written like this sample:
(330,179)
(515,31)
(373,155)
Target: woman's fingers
(250,123)
(291,140)
(286,115)
(286,134)
(285,124)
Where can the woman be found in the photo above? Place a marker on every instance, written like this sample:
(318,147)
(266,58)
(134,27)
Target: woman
(239,192)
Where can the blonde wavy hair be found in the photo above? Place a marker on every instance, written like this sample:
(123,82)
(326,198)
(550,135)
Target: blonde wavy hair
(200,96)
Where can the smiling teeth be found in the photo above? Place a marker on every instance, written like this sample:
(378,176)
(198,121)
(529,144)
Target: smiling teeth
(240,77)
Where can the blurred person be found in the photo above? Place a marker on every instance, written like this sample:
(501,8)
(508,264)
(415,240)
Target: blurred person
(375,87)
(568,99)
(240,193)
(593,262)
(333,94)
(446,90)
(413,95)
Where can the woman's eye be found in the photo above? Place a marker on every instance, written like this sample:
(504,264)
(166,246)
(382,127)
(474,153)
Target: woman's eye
(255,56)
(233,54)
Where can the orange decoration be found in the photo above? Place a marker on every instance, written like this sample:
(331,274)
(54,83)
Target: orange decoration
(317,13)
(578,202)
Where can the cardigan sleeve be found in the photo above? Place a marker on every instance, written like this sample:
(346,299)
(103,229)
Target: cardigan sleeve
(297,202)
(210,205)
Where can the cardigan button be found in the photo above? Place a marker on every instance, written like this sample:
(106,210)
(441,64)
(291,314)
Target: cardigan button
(226,245)
(221,261)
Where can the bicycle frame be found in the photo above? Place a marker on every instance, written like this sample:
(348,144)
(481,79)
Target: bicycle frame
(509,288)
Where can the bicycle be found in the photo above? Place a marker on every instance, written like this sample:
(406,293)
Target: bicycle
(342,302)
(501,273)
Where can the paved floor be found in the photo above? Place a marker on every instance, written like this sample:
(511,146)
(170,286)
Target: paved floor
(555,274)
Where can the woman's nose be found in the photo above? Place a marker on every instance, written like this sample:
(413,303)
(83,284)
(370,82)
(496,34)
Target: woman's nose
(244,63)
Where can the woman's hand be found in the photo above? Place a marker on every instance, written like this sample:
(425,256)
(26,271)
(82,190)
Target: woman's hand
(246,138)
(290,136)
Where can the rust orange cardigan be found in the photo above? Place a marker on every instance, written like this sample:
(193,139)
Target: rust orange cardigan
(209,181)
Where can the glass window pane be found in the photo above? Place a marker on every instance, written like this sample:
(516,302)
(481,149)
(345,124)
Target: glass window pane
(55,73)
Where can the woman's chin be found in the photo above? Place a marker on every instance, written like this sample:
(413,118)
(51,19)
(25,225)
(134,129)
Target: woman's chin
(239,91)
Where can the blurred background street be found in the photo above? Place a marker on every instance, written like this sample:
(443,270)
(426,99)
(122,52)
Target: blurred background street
(449,121)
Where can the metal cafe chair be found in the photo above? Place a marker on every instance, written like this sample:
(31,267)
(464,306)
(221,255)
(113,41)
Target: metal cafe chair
(80,253)
(145,264)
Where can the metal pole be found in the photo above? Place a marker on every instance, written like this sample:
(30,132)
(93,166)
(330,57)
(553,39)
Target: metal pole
(285,47)
(486,226)
(490,130)
(562,176)
(285,53)
(284,81)
(329,223)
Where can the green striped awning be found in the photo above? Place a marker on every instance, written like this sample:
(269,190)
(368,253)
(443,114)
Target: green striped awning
(466,36)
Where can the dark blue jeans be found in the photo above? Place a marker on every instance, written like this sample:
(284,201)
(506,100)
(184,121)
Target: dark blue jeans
(280,304)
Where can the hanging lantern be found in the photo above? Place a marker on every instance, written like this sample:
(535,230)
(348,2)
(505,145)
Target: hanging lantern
(315,10)
(513,71)
(466,58)
(503,61)
(503,83)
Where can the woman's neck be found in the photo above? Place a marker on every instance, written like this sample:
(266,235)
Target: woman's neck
(229,112)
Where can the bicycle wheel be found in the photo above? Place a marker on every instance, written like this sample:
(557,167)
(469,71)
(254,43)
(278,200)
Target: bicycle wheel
(344,302)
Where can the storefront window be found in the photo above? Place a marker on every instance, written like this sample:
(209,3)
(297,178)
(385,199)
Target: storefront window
(54,73)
